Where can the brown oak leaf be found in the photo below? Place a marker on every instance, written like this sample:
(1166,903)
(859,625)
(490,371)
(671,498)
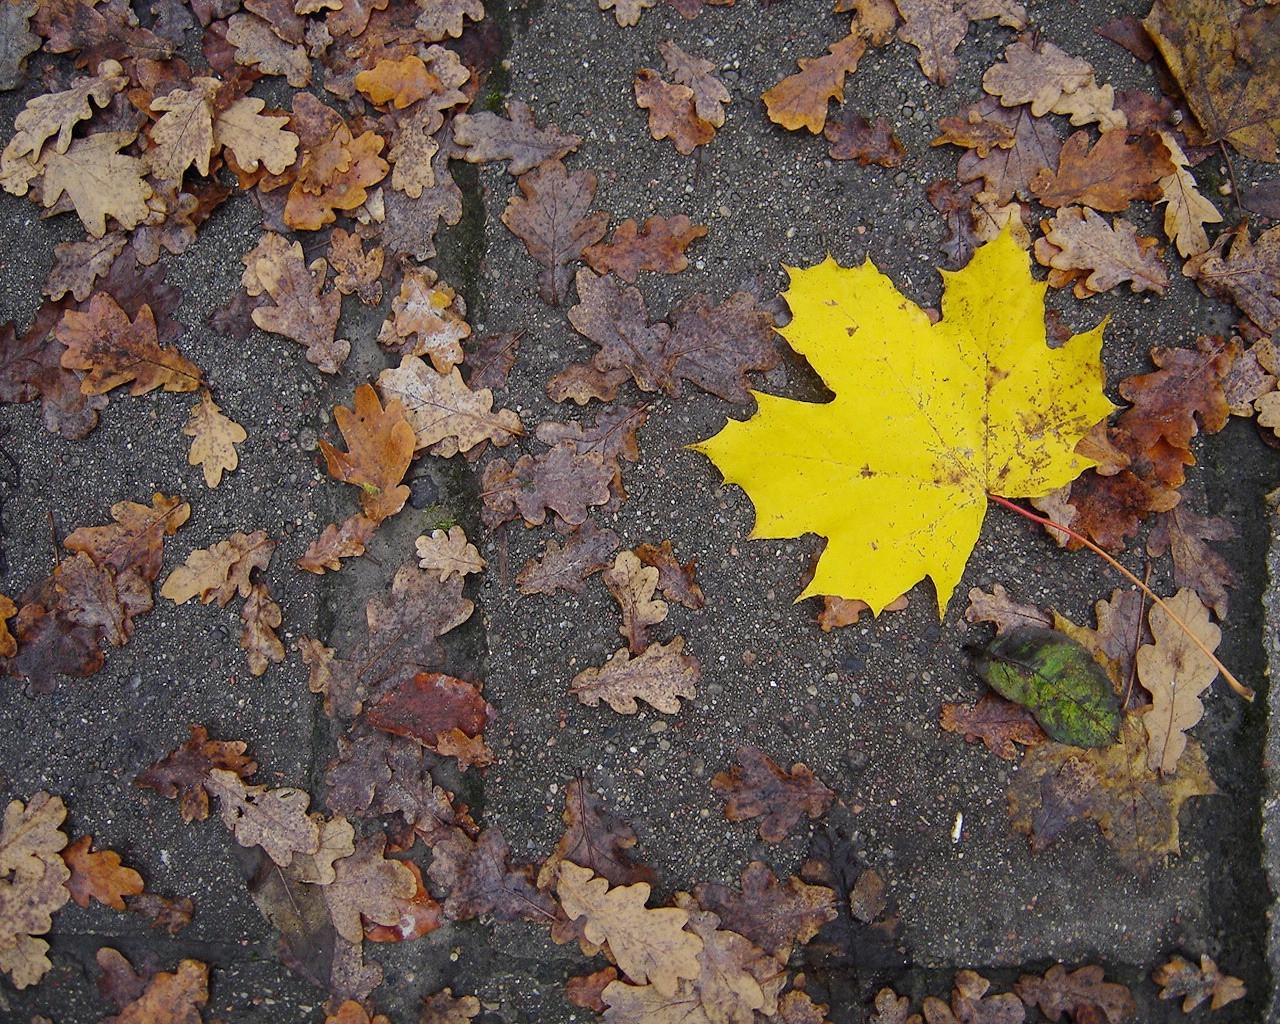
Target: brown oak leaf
(674,580)
(480,881)
(1240,270)
(445,415)
(856,138)
(1180,977)
(1108,176)
(588,550)
(559,480)
(220,572)
(973,131)
(99,875)
(1009,172)
(594,838)
(659,677)
(709,94)
(258,47)
(518,140)
(429,705)
(337,541)
(448,553)
(1061,991)
(672,111)
(800,100)
(489,358)
(658,247)
(626,12)
(167,997)
(551,219)
(380,445)
(261,617)
(997,724)
(757,788)
(77,265)
(183,136)
(427,319)
(275,819)
(214,437)
(1196,565)
(775,917)
(355,271)
(970,1004)
(1037,75)
(445,1008)
(254,137)
(1080,247)
(367,886)
(632,585)
(842,611)
(185,772)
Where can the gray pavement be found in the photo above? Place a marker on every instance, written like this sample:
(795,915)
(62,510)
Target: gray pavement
(858,705)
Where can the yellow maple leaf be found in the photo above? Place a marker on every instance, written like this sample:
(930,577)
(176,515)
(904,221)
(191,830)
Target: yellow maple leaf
(927,420)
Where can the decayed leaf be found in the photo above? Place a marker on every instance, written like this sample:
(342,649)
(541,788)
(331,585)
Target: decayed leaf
(560,480)
(936,30)
(78,265)
(674,580)
(632,585)
(1061,991)
(709,95)
(840,611)
(214,437)
(1186,211)
(18,41)
(1116,171)
(1136,808)
(1196,565)
(261,617)
(429,706)
(659,677)
(519,141)
(302,310)
(354,270)
(627,12)
(973,131)
(367,885)
(481,881)
(659,247)
(758,788)
(551,219)
(1179,977)
(997,723)
(33,881)
(1175,672)
(274,819)
(446,416)
(649,945)
(427,319)
(672,111)
(99,181)
(112,351)
(337,541)
(446,1008)
(855,470)
(775,917)
(800,100)
(1240,270)
(448,553)
(397,83)
(856,138)
(594,838)
(588,550)
(970,1003)
(380,446)
(254,137)
(162,998)
(1231,89)
(256,46)
(56,113)
(183,136)
(99,875)
(1039,76)
(220,572)
(185,772)
(1009,172)
(1080,242)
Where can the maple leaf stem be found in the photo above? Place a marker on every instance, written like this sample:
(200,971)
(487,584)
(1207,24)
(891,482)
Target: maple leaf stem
(1232,681)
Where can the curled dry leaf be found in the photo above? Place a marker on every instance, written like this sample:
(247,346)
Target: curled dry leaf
(660,677)
(674,580)
(214,437)
(448,553)
(380,444)
(758,788)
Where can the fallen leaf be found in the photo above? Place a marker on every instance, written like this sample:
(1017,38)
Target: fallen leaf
(172,915)
(1175,671)
(351,1012)
(78,265)
(368,886)
(481,882)
(183,135)
(1061,991)
(1179,977)
(255,138)
(775,917)
(257,47)
(658,247)
(1230,89)
(659,677)
(758,788)
(559,480)
(649,945)
(446,416)
(112,351)
(448,553)
(551,219)
(632,585)
(336,542)
(488,359)
(274,819)
(1080,242)
(996,723)
(800,100)
(33,887)
(1136,808)
(446,1008)
(486,136)
(853,459)
(185,773)
(626,12)
(856,138)
(956,204)
(428,705)
(672,111)
(1116,171)
(380,445)
(892,1008)
(166,998)
(585,990)
(973,131)
(937,29)
(674,580)
(1009,172)
(220,572)
(588,550)
(1239,270)
(594,838)
(8,645)
(261,617)
(55,113)
(303,311)
(840,611)
(1186,211)
(710,97)
(428,318)
(612,434)
(1036,75)
(397,83)
(214,437)
(1196,565)
(99,875)
(354,270)
(970,1003)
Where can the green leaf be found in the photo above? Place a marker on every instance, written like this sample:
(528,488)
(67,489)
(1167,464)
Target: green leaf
(1055,679)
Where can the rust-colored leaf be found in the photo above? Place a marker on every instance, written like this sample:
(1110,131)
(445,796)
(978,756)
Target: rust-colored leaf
(996,723)
(658,247)
(99,875)
(337,541)
(800,100)
(868,142)
(758,788)
(261,617)
(1108,176)
(672,111)
(380,445)
(220,572)
(184,773)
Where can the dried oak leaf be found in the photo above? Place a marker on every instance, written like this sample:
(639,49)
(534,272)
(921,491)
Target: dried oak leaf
(1136,808)
(659,677)
(1081,247)
(757,788)
(255,138)
(398,83)
(659,247)
(111,351)
(183,136)
(856,138)
(1175,671)
(672,111)
(956,204)
(1227,61)
(518,140)
(559,480)
(185,772)
(1108,176)
(359,168)
(1186,211)
(1007,172)
(56,113)
(380,445)
(632,585)
(302,310)
(429,705)
(1180,977)
(551,219)
(99,875)
(165,998)
(134,543)
(584,990)
(481,881)
(715,346)
(1061,991)
(351,1012)
(443,19)
(594,838)
(261,617)
(937,29)
(489,358)
(997,723)
(775,917)
(33,881)
(648,945)
(1239,270)
(428,318)
(841,611)
(800,100)
(588,550)
(709,94)
(107,30)
(626,12)
(173,915)
(973,131)
(220,572)
(368,886)
(337,541)
(674,580)
(77,265)
(1039,75)
(1195,564)
(445,1008)
(970,1004)
(446,416)
(258,47)
(214,437)
(448,553)
(8,645)
(354,270)
(275,819)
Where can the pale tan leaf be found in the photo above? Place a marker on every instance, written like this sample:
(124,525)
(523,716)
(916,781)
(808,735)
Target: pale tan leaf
(220,572)
(627,12)
(659,677)
(448,553)
(214,437)
(1186,211)
(261,617)
(632,585)
(99,181)
(275,819)
(184,134)
(368,885)
(254,137)
(447,417)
